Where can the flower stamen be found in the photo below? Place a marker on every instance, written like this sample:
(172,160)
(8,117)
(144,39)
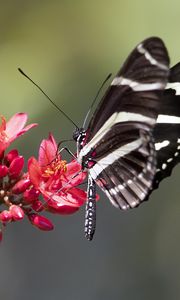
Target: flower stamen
(55,167)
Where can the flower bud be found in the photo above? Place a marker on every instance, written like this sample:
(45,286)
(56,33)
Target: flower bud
(21,186)
(11,155)
(37,206)
(3,171)
(16,167)
(30,195)
(5,216)
(41,222)
(17,212)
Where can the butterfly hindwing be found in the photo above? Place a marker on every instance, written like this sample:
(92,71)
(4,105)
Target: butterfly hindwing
(167,130)
(128,179)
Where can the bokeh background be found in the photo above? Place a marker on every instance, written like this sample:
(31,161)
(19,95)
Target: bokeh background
(69,47)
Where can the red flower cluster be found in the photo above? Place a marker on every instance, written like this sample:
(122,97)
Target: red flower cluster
(49,184)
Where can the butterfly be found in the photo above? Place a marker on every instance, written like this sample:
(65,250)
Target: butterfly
(132,141)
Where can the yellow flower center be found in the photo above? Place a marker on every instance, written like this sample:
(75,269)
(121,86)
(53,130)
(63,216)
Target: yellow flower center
(55,167)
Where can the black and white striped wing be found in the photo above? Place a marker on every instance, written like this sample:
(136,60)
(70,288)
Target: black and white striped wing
(167,130)
(120,133)
(136,89)
(126,174)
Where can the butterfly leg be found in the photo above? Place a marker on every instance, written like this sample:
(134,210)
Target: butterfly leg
(90,215)
(59,152)
(68,151)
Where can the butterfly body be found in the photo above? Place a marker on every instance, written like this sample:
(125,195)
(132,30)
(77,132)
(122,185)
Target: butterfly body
(122,146)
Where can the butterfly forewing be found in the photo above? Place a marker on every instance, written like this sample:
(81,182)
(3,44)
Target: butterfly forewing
(137,86)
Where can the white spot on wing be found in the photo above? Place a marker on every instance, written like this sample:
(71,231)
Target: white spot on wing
(164,166)
(120,187)
(133,203)
(170,160)
(113,191)
(163,144)
(129,181)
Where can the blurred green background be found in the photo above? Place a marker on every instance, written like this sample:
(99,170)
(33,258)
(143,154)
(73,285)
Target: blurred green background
(69,47)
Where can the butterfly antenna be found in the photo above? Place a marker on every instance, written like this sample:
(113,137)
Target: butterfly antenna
(90,108)
(55,105)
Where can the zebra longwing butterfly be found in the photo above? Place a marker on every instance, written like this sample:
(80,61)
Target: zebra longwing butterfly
(132,141)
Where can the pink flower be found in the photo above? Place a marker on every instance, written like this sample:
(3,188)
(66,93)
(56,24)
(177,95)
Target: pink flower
(13,181)
(12,129)
(50,177)
(56,180)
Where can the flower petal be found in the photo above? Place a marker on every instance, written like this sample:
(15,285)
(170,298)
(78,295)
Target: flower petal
(47,151)
(64,203)
(35,173)
(25,129)
(16,124)
(72,169)
(76,196)
(63,209)
(59,206)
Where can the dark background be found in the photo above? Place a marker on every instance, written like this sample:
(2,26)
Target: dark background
(69,47)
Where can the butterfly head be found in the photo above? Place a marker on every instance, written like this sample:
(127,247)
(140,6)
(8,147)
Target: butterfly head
(79,136)
(77,133)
